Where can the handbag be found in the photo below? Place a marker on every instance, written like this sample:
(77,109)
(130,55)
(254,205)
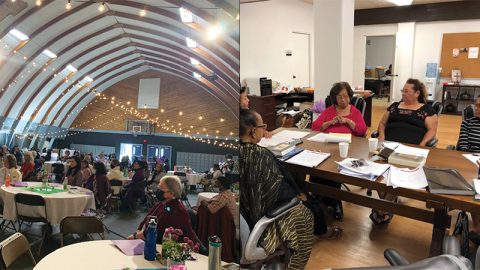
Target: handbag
(461,231)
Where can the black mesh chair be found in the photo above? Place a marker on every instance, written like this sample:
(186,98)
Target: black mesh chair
(81,225)
(358,102)
(437,107)
(21,201)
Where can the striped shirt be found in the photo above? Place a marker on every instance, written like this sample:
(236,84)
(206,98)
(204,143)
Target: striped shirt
(469,139)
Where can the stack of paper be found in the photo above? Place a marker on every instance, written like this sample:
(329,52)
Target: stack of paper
(332,137)
(309,158)
(369,171)
(285,136)
(411,151)
(407,178)
(291,112)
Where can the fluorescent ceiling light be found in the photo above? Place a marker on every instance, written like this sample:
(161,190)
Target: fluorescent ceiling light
(213,32)
(186,15)
(71,68)
(191,43)
(88,79)
(49,54)
(401,2)
(196,75)
(194,61)
(19,35)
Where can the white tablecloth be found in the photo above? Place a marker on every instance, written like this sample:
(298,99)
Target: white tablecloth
(192,178)
(205,196)
(59,205)
(103,254)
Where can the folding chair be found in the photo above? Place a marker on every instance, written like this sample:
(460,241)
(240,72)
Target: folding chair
(81,225)
(13,247)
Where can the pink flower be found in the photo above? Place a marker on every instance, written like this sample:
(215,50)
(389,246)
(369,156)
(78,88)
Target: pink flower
(179,232)
(190,243)
(175,236)
(196,249)
(185,239)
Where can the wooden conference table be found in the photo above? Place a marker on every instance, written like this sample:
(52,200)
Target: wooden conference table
(440,203)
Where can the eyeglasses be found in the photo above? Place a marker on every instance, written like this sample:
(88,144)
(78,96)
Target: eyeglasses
(262,126)
(343,97)
(407,91)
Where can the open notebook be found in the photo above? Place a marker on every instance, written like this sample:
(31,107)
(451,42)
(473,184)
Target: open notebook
(308,158)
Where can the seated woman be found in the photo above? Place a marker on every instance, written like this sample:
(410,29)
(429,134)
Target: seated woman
(99,184)
(264,186)
(10,167)
(85,170)
(411,120)
(225,198)
(155,179)
(469,141)
(341,117)
(170,212)
(74,173)
(115,172)
(136,188)
(28,167)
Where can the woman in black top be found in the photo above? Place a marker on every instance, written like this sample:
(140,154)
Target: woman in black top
(410,120)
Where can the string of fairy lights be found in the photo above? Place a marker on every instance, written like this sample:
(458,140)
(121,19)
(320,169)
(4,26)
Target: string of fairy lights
(42,63)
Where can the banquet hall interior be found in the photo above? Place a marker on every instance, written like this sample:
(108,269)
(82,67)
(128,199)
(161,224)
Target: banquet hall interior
(147,85)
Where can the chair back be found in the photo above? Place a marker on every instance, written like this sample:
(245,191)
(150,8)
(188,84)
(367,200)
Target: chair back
(468,112)
(221,223)
(116,186)
(244,234)
(30,200)
(13,247)
(81,225)
(437,107)
(359,103)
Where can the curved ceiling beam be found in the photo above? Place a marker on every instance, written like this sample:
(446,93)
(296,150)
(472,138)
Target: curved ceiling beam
(138,37)
(233,92)
(177,69)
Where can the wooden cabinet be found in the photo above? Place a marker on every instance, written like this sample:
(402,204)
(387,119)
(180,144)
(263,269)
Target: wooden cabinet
(455,98)
(265,106)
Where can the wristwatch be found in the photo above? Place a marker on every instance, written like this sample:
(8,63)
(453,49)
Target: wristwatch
(135,235)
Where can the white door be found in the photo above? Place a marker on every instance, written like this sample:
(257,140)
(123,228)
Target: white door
(300,60)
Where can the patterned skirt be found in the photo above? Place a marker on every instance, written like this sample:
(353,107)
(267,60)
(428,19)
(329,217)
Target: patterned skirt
(296,230)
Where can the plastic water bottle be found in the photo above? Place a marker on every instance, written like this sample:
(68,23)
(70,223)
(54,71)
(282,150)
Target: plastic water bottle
(214,252)
(150,249)
(8,180)
(65,183)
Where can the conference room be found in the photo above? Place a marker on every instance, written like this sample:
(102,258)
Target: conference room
(115,111)
(306,69)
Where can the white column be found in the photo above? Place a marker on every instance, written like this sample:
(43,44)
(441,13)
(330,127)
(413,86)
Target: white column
(404,42)
(333,26)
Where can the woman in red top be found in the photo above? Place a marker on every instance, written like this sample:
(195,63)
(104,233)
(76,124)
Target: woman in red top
(342,117)
(28,166)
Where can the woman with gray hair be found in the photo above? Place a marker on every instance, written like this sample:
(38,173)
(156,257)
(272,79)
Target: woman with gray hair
(170,212)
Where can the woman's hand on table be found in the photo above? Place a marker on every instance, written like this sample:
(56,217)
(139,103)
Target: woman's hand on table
(136,235)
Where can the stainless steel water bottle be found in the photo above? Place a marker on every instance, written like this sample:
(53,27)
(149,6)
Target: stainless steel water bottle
(214,252)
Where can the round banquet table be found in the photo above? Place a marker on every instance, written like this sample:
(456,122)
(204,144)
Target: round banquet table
(59,205)
(194,178)
(104,255)
(205,196)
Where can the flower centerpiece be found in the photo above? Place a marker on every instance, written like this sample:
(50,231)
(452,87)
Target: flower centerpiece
(174,251)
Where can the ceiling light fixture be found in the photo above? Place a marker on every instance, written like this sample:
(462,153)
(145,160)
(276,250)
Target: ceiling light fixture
(49,54)
(69,5)
(191,43)
(38,2)
(186,15)
(89,79)
(71,68)
(213,32)
(142,12)
(401,2)
(101,7)
(19,35)
(196,75)
(194,61)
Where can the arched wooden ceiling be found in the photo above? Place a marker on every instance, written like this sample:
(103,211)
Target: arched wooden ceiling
(108,47)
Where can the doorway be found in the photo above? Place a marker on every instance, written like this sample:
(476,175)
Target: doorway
(380,52)
(300,60)
(159,151)
(130,150)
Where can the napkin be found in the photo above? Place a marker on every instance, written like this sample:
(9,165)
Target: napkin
(130,247)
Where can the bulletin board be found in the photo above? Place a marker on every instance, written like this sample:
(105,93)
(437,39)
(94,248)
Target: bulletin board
(470,68)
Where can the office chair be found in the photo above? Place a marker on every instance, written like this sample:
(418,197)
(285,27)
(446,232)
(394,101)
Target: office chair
(253,254)
(358,102)
(437,107)
(450,259)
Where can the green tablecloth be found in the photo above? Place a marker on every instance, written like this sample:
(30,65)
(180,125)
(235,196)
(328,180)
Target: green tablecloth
(49,190)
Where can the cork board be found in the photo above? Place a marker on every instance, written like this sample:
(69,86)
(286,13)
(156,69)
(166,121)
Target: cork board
(470,68)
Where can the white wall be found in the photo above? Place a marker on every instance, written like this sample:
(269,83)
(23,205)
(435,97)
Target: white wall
(265,31)
(381,51)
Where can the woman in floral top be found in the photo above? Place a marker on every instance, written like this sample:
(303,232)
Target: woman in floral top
(224,198)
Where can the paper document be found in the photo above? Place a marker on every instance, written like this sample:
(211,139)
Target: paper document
(407,178)
(292,134)
(473,158)
(274,140)
(130,247)
(331,137)
(476,185)
(309,158)
(411,151)
(391,145)
(370,169)
(365,176)
(291,112)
